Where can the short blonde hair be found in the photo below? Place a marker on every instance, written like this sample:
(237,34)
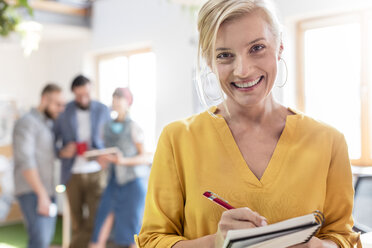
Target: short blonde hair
(214,13)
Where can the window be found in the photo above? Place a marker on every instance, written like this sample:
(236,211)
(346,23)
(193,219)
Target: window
(135,70)
(334,80)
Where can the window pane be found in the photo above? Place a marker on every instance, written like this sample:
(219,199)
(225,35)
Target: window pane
(112,73)
(332,80)
(142,78)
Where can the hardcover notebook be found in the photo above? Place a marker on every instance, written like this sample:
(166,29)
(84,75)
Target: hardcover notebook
(279,235)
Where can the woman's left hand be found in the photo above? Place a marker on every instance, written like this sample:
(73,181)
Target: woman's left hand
(314,242)
(118,158)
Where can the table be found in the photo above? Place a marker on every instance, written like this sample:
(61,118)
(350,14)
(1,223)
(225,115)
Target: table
(366,239)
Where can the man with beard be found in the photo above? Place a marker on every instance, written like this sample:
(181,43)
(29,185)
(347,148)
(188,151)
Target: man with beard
(34,157)
(79,129)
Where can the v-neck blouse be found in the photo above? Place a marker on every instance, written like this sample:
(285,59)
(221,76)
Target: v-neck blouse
(309,170)
(277,158)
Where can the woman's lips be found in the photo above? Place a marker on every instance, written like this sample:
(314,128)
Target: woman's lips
(247,85)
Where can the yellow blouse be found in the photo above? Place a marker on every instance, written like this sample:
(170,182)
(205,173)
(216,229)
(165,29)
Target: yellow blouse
(309,170)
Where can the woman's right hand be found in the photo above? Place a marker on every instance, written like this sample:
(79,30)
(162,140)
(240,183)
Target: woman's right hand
(239,218)
(105,160)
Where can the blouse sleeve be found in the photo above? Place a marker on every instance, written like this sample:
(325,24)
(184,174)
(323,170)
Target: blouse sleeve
(164,209)
(339,199)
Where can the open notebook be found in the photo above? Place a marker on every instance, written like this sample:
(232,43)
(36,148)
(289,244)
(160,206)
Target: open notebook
(279,235)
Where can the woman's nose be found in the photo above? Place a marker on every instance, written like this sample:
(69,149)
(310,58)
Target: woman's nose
(242,67)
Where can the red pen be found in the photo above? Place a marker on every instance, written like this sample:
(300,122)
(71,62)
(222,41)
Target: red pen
(218,200)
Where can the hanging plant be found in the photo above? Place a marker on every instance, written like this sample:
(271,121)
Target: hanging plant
(11,14)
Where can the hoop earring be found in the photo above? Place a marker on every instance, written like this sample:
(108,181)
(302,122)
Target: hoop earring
(286,74)
(207,81)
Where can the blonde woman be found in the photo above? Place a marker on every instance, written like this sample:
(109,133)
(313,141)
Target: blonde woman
(270,162)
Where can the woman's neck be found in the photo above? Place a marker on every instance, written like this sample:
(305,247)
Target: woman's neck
(121,116)
(257,114)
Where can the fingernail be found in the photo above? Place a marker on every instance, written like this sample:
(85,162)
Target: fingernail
(263,223)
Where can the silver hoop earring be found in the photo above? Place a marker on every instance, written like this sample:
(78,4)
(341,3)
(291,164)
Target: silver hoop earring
(286,74)
(208,81)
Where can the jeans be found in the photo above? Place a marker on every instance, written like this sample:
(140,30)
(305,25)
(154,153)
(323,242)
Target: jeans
(127,203)
(40,228)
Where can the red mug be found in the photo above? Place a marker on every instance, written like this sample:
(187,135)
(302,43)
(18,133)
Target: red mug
(81,148)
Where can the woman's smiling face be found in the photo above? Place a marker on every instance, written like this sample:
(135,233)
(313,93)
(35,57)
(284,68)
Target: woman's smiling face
(247,54)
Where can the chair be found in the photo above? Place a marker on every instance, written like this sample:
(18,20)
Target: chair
(362,211)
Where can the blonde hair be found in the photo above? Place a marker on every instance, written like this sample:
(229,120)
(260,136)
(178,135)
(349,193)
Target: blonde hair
(212,15)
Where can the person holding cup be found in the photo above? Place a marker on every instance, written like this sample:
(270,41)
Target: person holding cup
(77,130)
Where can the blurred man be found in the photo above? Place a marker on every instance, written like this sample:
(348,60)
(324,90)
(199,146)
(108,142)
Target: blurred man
(34,157)
(79,129)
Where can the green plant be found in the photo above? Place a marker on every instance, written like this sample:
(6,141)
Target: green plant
(11,15)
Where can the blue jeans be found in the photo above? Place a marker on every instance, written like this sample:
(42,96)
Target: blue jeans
(127,203)
(40,228)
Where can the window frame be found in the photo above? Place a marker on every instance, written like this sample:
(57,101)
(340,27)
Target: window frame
(111,55)
(362,17)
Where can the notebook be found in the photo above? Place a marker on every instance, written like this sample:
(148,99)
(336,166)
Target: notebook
(93,154)
(279,235)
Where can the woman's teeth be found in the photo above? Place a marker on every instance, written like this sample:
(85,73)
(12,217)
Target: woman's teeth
(248,84)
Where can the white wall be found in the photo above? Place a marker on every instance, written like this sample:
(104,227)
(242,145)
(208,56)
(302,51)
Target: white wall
(66,60)
(168,29)
(22,78)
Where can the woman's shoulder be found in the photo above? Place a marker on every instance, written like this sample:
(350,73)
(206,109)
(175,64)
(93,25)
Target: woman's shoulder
(310,125)
(191,124)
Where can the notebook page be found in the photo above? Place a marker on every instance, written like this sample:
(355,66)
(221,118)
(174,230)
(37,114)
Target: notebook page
(260,239)
(288,240)
(294,222)
(280,226)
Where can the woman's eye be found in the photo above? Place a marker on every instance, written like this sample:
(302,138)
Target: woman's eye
(257,48)
(224,56)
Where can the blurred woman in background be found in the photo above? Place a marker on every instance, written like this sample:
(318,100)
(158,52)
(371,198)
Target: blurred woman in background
(122,202)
